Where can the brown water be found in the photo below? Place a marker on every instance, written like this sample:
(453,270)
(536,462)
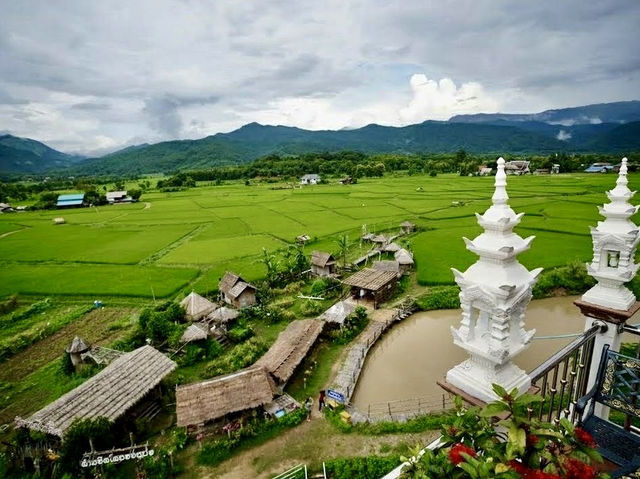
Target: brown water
(408,360)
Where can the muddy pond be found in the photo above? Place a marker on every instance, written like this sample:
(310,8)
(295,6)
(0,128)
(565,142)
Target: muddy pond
(407,361)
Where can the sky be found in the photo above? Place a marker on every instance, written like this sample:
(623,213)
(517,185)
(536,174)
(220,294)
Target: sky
(91,77)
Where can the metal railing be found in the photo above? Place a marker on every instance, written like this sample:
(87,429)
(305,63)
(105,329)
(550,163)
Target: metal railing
(403,409)
(298,472)
(562,379)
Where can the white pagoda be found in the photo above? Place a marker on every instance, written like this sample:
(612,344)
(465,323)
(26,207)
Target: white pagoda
(614,245)
(495,292)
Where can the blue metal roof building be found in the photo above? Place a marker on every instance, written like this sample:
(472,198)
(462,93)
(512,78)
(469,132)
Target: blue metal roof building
(66,201)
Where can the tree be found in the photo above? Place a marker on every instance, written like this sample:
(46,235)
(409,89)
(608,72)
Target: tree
(343,248)
(135,194)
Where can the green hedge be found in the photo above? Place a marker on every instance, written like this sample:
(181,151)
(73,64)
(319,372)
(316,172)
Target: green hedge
(361,467)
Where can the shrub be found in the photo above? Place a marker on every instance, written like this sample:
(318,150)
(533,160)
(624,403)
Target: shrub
(572,278)
(353,325)
(240,333)
(440,297)
(477,444)
(76,440)
(239,357)
(359,467)
(311,308)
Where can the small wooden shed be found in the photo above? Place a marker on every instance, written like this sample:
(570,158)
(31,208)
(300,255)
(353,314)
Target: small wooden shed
(322,264)
(370,284)
(405,260)
(408,227)
(196,306)
(237,292)
(338,313)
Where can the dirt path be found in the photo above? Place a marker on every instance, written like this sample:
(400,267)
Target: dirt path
(310,443)
(4,235)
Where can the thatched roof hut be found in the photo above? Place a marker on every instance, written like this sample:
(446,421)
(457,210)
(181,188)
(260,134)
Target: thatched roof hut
(78,346)
(110,393)
(404,257)
(392,247)
(407,226)
(372,284)
(197,306)
(368,236)
(212,399)
(195,332)
(338,312)
(290,348)
(223,315)
(236,291)
(380,239)
(321,258)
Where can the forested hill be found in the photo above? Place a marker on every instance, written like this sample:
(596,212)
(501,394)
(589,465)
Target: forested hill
(23,155)
(253,141)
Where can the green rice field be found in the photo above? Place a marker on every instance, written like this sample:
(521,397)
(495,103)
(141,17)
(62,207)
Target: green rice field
(172,242)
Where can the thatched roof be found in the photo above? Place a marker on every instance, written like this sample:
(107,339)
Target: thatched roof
(78,346)
(197,306)
(223,315)
(386,265)
(208,400)
(407,224)
(195,332)
(368,236)
(380,239)
(290,348)
(321,259)
(404,257)
(392,247)
(338,312)
(228,281)
(110,393)
(239,288)
(370,279)
(101,355)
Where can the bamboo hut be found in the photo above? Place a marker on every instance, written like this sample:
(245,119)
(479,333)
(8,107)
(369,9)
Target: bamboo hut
(196,306)
(195,332)
(237,292)
(338,313)
(222,315)
(408,227)
(77,349)
(392,247)
(290,348)
(372,285)
(404,259)
(111,393)
(322,264)
(209,400)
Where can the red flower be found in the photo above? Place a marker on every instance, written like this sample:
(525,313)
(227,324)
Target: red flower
(578,470)
(455,454)
(584,437)
(527,473)
(532,440)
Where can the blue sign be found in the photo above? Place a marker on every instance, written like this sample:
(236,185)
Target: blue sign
(335,395)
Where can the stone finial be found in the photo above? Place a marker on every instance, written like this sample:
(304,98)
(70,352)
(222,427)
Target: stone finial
(494,294)
(614,245)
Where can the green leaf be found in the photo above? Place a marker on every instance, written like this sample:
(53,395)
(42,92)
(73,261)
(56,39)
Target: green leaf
(517,437)
(499,390)
(469,469)
(526,399)
(565,423)
(493,409)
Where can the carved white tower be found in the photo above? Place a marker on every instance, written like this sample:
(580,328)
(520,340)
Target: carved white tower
(614,245)
(495,292)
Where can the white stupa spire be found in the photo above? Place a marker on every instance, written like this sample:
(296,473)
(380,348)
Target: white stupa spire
(495,292)
(614,245)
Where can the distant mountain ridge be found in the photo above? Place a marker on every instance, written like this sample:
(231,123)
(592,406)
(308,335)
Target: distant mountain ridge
(24,155)
(603,128)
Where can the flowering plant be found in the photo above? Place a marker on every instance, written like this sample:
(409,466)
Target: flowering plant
(502,441)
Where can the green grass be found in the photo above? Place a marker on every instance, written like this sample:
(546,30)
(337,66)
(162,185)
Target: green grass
(93,280)
(214,228)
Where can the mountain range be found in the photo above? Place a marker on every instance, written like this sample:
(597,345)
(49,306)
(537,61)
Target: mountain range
(603,128)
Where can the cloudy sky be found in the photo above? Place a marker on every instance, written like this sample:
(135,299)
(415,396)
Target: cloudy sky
(94,76)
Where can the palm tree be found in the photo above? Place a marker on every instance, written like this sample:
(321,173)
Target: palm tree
(343,248)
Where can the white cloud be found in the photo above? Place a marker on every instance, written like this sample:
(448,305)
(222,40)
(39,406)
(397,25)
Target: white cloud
(563,135)
(440,100)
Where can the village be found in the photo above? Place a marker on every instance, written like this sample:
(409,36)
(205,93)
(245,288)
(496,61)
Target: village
(196,374)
